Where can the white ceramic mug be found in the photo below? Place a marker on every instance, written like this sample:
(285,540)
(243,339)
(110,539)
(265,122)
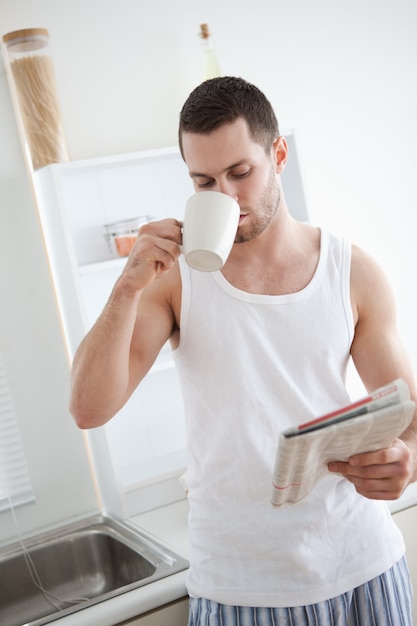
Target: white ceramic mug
(209,230)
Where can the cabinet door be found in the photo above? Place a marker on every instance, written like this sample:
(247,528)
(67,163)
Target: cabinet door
(406,520)
(174,614)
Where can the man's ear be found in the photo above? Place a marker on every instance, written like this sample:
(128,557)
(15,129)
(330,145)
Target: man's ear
(280,153)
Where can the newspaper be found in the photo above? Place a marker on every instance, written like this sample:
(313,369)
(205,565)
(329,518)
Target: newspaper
(369,424)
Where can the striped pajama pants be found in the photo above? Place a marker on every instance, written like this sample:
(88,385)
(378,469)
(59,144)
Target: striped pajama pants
(383,601)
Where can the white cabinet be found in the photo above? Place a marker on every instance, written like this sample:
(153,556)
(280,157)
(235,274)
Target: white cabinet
(175,614)
(406,520)
(139,455)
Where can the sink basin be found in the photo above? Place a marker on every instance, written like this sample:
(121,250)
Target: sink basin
(76,566)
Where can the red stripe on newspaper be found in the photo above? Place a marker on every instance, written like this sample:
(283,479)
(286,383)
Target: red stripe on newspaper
(351,407)
(286,486)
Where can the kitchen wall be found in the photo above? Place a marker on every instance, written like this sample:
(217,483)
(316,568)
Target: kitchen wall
(342,74)
(33,352)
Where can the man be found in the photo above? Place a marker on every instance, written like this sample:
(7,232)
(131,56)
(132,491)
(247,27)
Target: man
(262,345)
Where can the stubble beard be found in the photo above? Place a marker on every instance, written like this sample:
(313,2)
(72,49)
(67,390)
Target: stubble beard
(266,209)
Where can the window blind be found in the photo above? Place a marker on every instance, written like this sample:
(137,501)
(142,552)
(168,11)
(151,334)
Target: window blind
(15,485)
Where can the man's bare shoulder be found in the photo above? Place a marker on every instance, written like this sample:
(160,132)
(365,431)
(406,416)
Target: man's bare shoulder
(370,288)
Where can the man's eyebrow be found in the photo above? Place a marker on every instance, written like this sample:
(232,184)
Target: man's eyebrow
(198,175)
(228,168)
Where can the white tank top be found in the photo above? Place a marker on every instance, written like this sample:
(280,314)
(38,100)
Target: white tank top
(250,366)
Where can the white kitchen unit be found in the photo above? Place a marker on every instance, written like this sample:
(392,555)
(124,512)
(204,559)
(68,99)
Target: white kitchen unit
(175,614)
(144,445)
(138,456)
(406,521)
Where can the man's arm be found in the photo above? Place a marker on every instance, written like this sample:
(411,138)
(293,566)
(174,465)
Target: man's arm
(136,322)
(379,357)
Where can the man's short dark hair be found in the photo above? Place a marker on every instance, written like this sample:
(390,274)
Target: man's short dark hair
(223,100)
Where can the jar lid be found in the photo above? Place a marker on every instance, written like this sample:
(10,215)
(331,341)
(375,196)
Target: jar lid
(130,225)
(26,39)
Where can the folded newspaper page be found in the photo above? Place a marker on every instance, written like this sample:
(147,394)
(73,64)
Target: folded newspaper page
(369,424)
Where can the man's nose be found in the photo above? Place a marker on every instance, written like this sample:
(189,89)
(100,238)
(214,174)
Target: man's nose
(228,189)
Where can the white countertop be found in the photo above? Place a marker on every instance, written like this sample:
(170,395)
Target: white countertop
(167,525)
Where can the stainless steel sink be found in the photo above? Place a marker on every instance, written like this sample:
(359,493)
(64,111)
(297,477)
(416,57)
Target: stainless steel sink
(76,566)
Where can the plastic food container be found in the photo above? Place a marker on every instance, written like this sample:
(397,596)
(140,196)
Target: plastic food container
(121,236)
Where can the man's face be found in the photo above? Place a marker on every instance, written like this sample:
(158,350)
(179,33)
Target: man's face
(230,161)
